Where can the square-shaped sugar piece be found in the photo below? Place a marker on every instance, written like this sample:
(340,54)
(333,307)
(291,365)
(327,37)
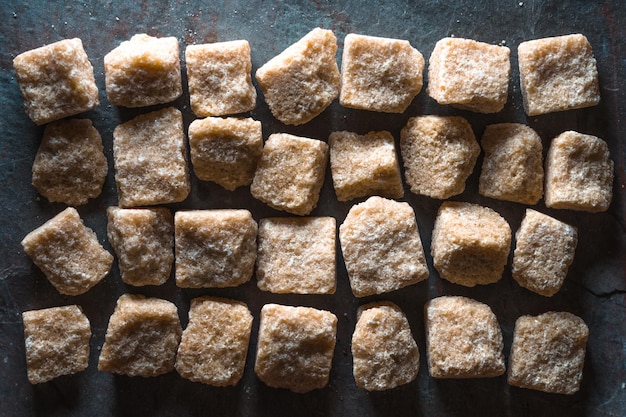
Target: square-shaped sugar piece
(68,253)
(469,75)
(379,74)
(295,347)
(143,71)
(558,74)
(151,159)
(364,165)
(297,255)
(214,345)
(225,151)
(57,342)
(548,352)
(56,81)
(214,248)
(381,247)
(290,174)
(219,78)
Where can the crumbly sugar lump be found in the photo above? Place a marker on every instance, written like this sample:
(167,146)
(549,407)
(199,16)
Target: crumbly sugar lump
(302,81)
(364,165)
(548,352)
(463,339)
(579,173)
(379,74)
(558,74)
(470,75)
(295,347)
(290,173)
(219,78)
(381,247)
(57,342)
(150,158)
(297,255)
(70,166)
(225,151)
(439,154)
(56,81)
(544,251)
(470,244)
(142,337)
(214,345)
(384,351)
(143,71)
(143,240)
(214,248)
(68,253)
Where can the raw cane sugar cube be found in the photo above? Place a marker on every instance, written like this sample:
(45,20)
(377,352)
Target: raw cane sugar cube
(439,154)
(379,74)
(297,255)
(142,337)
(56,81)
(469,75)
(548,352)
(381,247)
(579,173)
(302,81)
(68,253)
(463,339)
(214,345)
(557,74)
(57,342)
(364,165)
(470,244)
(295,347)
(290,173)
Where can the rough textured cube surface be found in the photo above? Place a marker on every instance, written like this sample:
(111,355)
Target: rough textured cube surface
(548,352)
(295,347)
(57,342)
(300,82)
(56,81)
(381,247)
(558,74)
(379,74)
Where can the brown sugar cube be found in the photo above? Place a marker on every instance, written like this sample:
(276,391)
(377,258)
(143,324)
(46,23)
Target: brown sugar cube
(57,342)
(579,173)
(295,347)
(290,174)
(557,74)
(56,81)
(382,247)
(384,351)
(469,75)
(143,71)
(300,82)
(364,165)
(225,151)
(470,244)
(68,253)
(214,345)
(548,352)
(142,337)
(379,74)
(151,159)
(463,339)
(297,255)
(219,78)
(439,154)
(70,166)
(214,248)
(143,240)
